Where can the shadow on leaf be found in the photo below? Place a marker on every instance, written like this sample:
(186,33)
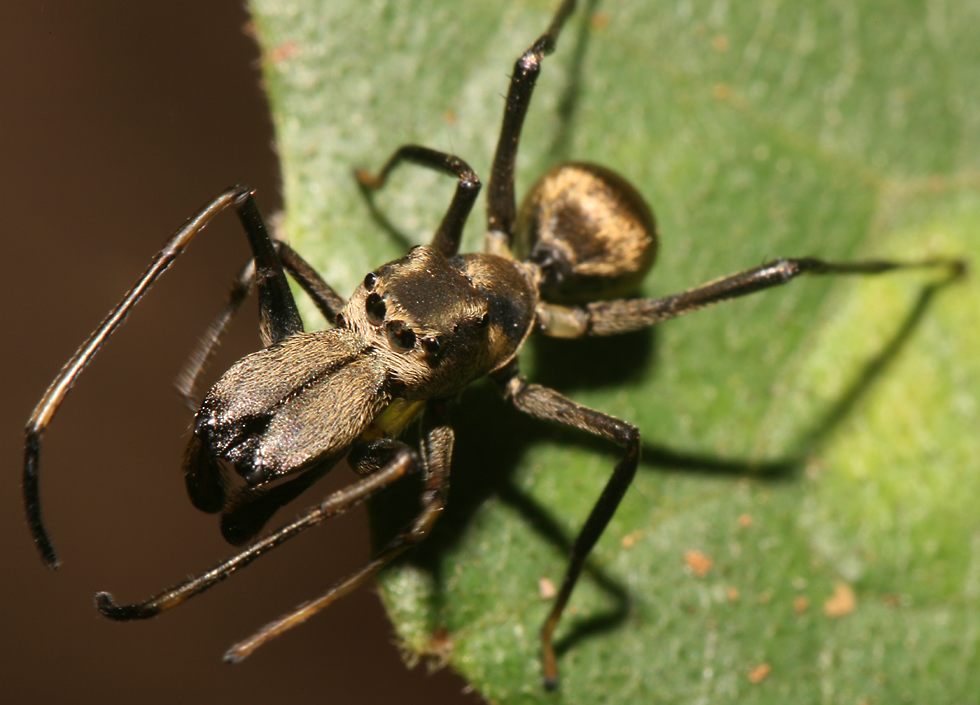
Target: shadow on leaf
(492,438)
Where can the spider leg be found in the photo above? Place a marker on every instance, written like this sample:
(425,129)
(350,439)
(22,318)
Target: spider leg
(543,403)
(437,447)
(450,231)
(190,374)
(323,295)
(278,314)
(624,315)
(402,463)
(501,202)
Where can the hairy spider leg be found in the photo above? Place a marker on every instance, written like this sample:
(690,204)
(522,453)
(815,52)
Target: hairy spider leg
(624,315)
(543,403)
(450,231)
(501,201)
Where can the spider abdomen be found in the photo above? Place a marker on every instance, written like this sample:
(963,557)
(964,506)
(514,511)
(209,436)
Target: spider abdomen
(590,232)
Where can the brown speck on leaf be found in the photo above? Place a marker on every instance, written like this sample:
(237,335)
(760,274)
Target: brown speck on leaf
(759,673)
(697,562)
(764,598)
(434,654)
(281,53)
(745,520)
(599,20)
(546,589)
(721,92)
(719,43)
(630,539)
(732,594)
(450,117)
(841,603)
(439,649)
(800,604)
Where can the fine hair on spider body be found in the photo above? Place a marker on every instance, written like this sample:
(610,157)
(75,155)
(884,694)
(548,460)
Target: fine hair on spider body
(415,332)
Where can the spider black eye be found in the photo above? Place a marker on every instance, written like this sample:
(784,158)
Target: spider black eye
(400,336)
(370,280)
(340,321)
(431,345)
(375,308)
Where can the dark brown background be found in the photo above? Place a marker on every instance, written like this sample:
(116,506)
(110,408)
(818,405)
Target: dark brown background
(118,120)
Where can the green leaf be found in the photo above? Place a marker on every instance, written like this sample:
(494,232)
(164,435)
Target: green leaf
(814,439)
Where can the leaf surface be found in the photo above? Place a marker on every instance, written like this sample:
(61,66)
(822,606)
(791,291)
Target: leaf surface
(803,527)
